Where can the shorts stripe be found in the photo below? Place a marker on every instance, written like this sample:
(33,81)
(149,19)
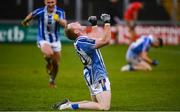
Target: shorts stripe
(88,76)
(102,82)
(100,86)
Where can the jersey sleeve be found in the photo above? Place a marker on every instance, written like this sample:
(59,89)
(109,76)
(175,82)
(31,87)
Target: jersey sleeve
(91,45)
(61,14)
(87,45)
(37,12)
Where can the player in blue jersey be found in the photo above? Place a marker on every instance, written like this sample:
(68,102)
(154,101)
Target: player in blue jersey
(95,74)
(50,18)
(137,54)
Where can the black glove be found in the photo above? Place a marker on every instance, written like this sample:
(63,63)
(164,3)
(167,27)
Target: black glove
(93,20)
(106,18)
(154,62)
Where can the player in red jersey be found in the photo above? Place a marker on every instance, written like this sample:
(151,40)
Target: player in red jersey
(130,17)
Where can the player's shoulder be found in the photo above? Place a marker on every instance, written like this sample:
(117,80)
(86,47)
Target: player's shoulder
(39,9)
(60,9)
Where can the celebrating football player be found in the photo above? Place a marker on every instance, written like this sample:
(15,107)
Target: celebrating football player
(95,74)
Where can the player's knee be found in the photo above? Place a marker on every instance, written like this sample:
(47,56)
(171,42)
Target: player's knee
(49,54)
(47,50)
(149,68)
(104,107)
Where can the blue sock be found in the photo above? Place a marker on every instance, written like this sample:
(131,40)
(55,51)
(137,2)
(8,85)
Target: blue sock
(75,106)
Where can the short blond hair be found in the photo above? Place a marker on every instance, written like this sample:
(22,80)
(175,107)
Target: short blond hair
(69,31)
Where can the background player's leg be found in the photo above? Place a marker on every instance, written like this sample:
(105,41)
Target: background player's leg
(48,53)
(49,65)
(47,50)
(142,66)
(55,63)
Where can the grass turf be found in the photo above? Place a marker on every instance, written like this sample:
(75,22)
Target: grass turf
(24,82)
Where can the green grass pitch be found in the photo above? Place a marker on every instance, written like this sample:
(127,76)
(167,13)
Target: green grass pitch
(24,82)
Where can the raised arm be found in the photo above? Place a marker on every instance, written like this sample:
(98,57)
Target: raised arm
(62,22)
(105,37)
(145,57)
(93,21)
(95,33)
(26,21)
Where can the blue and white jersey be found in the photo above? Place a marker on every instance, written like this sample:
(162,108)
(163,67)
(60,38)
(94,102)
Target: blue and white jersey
(94,68)
(141,45)
(48,28)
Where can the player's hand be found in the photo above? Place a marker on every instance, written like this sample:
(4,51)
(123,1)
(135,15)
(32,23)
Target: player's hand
(93,20)
(106,18)
(25,23)
(154,62)
(56,17)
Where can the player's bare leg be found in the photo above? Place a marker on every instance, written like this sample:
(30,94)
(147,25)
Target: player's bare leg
(49,65)
(49,57)
(48,53)
(93,98)
(54,71)
(139,66)
(143,66)
(103,103)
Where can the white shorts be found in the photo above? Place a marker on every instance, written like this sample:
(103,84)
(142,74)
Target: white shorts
(100,86)
(131,58)
(56,46)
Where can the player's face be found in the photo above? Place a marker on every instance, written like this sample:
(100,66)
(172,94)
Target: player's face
(50,3)
(77,26)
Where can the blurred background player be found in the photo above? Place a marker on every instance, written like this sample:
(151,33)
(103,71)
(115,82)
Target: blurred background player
(50,18)
(130,17)
(95,74)
(137,54)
